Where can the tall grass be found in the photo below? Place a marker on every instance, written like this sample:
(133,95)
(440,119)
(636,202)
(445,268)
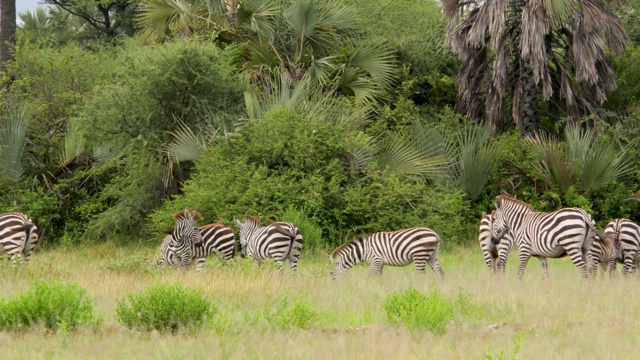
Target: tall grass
(562,317)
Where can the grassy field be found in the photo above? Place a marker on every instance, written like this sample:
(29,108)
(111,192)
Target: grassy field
(562,317)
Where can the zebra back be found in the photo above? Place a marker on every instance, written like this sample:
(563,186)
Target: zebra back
(18,235)
(397,248)
(278,241)
(627,239)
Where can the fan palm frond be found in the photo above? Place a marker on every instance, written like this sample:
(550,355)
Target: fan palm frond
(12,141)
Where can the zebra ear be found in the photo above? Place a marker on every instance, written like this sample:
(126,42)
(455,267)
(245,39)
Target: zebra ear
(484,214)
(498,202)
(237,222)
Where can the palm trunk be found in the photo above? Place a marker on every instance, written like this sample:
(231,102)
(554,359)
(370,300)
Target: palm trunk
(528,109)
(7,31)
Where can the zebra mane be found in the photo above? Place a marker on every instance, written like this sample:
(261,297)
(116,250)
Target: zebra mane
(344,246)
(252,219)
(507,198)
(180,215)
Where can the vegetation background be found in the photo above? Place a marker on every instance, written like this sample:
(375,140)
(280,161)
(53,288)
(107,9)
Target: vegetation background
(346,117)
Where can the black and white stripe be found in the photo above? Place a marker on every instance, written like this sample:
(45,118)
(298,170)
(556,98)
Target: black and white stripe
(568,231)
(604,252)
(494,249)
(278,241)
(397,248)
(215,238)
(18,235)
(627,239)
(185,236)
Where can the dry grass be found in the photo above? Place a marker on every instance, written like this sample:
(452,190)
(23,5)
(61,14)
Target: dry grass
(562,317)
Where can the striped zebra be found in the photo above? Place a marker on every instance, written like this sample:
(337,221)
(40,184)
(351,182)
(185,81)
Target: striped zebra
(185,236)
(493,249)
(568,231)
(627,239)
(278,242)
(398,248)
(18,235)
(215,238)
(604,252)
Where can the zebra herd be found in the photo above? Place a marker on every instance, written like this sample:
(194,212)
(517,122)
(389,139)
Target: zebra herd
(566,232)
(280,241)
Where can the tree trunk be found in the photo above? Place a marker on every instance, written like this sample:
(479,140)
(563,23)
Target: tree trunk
(528,111)
(7,31)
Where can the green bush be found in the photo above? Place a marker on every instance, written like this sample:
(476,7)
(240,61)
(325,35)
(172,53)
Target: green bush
(433,311)
(165,308)
(52,305)
(300,314)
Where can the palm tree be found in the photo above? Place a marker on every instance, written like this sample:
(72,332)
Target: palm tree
(545,58)
(309,38)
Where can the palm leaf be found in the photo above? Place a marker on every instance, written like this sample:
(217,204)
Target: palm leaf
(477,156)
(400,154)
(259,16)
(12,141)
(553,162)
(602,165)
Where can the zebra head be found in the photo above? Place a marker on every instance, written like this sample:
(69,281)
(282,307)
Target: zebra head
(186,231)
(499,225)
(346,255)
(246,232)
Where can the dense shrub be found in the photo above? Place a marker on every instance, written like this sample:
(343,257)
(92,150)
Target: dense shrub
(288,161)
(52,305)
(165,308)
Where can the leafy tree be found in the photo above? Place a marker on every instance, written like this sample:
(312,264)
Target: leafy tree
(539,58)
(108,18)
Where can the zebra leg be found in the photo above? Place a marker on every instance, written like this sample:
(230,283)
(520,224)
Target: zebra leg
(420,264)
(375,267)
(502,260)
(628,263)
(612,269)
(435,265)
(577,259)
(543,262)
(524,256)
(200,262)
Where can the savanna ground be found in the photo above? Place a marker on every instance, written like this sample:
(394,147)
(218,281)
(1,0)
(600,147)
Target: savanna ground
(562,317)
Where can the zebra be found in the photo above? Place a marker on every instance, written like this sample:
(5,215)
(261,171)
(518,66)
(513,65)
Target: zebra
(398,248)
(185,236)
(604,252)
(493,250)
(215,238)
(278,241)
(627,240)
(18,235)
(568,231)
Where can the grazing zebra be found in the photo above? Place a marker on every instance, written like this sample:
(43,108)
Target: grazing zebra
(493,249)
(215,238)
(18,235)
(568,231)
(185,236)
(397,248)
(278,241)
(627,239)
(604,252)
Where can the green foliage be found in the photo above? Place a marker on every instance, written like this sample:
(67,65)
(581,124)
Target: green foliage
(286,315)
(433,311)
(53,305)
(311,233)
(165,308)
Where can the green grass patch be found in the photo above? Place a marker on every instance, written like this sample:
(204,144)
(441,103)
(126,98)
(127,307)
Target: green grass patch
(52,305)
(432,311)
(165,308)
